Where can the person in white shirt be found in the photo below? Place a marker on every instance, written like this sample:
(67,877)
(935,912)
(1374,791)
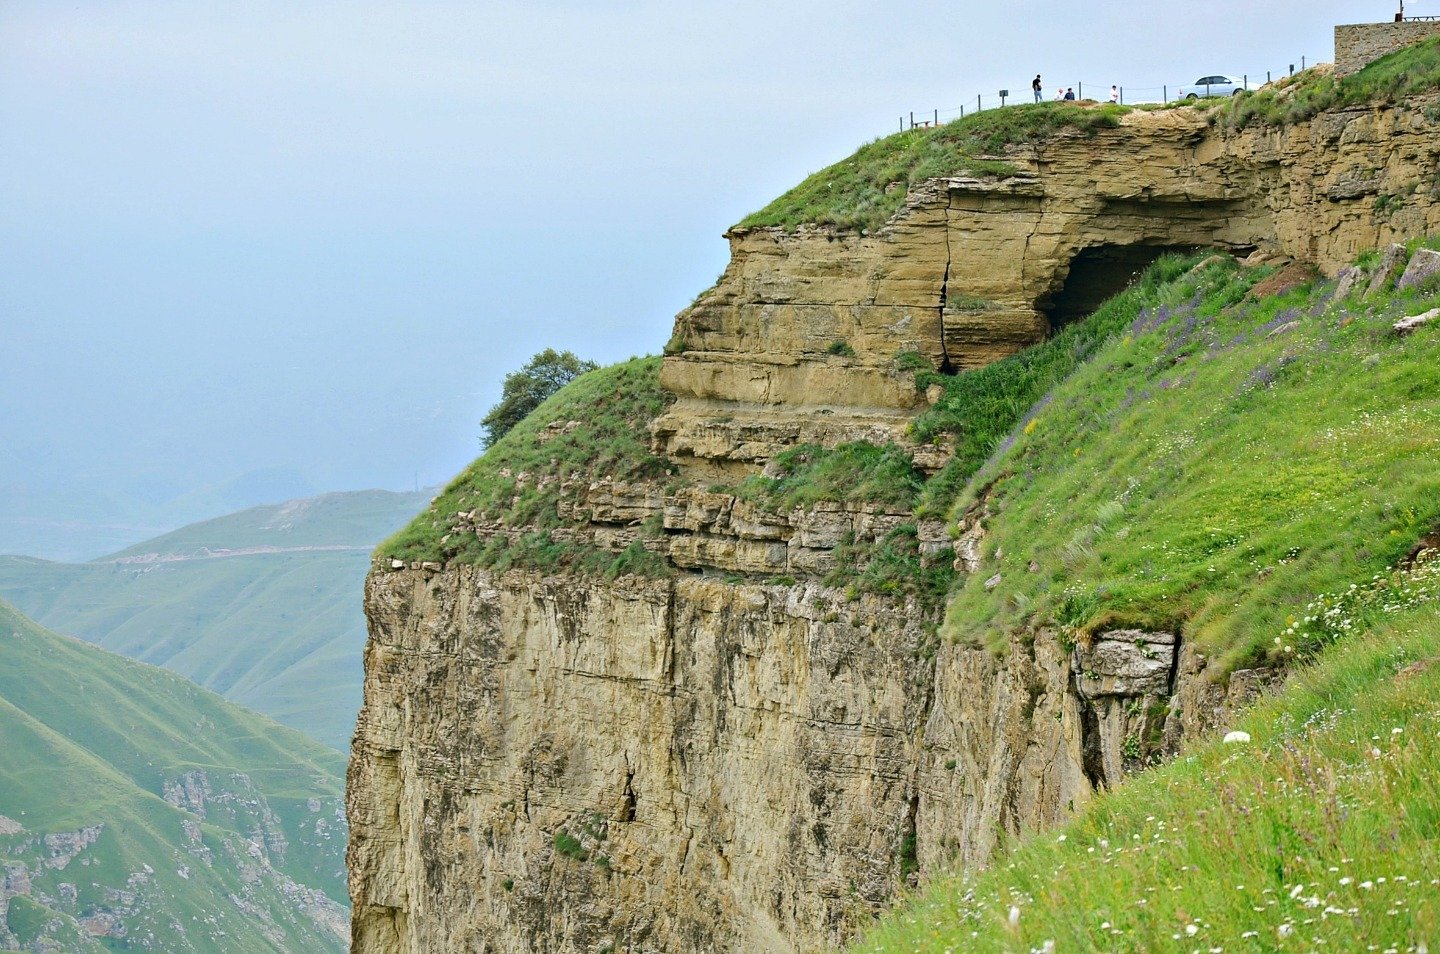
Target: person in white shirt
(1114,94)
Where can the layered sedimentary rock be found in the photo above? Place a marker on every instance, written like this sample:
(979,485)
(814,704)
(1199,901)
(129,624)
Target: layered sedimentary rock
(694,765)
(700,763)
(738,757)
(799,338)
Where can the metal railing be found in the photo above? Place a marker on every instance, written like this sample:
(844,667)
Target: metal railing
(1125,96)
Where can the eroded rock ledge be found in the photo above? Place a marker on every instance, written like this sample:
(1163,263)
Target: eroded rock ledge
(691,764)
(802,331)
(738,757)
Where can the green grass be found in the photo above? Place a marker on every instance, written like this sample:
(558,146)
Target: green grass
(1405,73)
(858,472)
(865,190)
(280,632)
(977,413)
(93,739)
(1213,470)
(518,480)
(569,846)
(981,408)
(1323,832)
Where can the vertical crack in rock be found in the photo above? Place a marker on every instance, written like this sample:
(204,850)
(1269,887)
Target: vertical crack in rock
(909,843)
(627,798)
(946,367)
(1092,753)
(1174,681)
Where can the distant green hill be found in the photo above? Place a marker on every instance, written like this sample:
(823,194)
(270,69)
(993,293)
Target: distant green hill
(139,811)
(355,521)
(262,606)
(88,518)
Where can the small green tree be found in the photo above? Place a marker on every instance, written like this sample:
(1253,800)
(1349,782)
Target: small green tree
(527,388)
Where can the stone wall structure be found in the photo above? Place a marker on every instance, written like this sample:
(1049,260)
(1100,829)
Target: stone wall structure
(1359,44)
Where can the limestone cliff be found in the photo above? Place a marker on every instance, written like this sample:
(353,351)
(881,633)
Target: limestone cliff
(731,755)
(974,269)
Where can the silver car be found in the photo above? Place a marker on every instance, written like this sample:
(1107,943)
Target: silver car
(1217,85)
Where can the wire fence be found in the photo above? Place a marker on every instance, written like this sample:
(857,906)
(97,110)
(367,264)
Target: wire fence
(1101,92)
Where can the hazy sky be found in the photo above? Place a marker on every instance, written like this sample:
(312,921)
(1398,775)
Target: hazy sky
(314,236)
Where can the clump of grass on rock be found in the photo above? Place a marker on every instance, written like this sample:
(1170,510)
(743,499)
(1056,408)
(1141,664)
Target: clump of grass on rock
(865,190)
(595,427)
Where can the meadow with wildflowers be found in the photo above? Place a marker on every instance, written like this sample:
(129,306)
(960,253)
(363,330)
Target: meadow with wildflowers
(1318,829)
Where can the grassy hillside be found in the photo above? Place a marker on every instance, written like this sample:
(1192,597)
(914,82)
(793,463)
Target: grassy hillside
(1321,833)
(1251,468)
(1227,460)
(594,427)
(140,808)
(1401,75)
(353,520)
(254,605)
(864,190)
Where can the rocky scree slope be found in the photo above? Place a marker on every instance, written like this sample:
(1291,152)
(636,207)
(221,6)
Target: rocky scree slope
(140,812)
(737,691)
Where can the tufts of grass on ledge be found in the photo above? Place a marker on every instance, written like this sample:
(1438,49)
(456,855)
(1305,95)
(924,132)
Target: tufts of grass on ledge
(865,190)
(601,430)
(1412,71)
(1322,833)
(857,472)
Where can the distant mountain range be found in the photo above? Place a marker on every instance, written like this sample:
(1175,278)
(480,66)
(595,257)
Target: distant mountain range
(262,606)
(139,811)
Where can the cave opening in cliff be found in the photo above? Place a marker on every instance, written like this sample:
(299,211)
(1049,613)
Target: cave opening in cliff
(1099,273)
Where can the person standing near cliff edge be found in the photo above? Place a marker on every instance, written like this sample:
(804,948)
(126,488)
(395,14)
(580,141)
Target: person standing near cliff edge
(1036,86)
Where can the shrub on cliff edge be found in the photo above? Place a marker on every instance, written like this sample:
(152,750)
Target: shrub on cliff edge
(526,389)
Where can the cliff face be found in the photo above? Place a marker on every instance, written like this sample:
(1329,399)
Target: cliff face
(976,269)
(735,756)
(741,767)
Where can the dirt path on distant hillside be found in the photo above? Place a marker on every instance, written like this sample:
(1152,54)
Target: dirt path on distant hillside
(205,553)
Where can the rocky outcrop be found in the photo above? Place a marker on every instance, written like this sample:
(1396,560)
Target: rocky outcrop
(691,764)
(798,340)
(737,756)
